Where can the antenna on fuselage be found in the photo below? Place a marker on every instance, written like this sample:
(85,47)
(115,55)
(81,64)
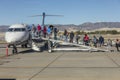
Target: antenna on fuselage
(44,15)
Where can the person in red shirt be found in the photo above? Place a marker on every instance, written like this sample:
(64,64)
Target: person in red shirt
(39,30)
(44,31)
(86,40)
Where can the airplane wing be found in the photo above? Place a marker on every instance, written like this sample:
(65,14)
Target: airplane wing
(45,15)
(35,15)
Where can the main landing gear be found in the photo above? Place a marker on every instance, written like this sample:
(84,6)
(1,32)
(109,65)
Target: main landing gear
(24,46)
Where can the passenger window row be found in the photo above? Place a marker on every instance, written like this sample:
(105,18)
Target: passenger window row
(16,29)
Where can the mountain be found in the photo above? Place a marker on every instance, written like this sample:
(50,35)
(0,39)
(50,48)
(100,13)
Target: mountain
(3,28)
(85,26)
(90,26)
(99,25)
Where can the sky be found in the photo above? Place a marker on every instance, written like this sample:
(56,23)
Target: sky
(74,11)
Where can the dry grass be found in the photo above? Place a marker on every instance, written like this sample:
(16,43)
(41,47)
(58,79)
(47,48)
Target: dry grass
(107,36)
(112,36)
(2,34)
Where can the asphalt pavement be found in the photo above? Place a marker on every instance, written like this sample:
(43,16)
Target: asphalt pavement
(30,65)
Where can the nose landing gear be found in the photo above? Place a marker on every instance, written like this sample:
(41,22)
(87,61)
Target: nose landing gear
(14,51)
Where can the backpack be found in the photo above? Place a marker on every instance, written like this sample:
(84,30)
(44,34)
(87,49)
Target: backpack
(55,30)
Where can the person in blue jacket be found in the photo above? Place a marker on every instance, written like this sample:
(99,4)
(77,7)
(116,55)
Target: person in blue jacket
(49,31)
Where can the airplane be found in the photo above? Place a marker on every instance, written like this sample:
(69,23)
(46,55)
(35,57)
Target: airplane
(44,15)
(19,34)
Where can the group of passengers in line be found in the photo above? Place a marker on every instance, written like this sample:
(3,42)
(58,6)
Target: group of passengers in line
(90,42)
(70,35)
(46,31)
(93,41)
(37,31)
(100,41)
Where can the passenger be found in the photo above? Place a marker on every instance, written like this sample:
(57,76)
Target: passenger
(55,33)
(95,41)
(101,41)
(109,44)
(71,37)
(86,40)
(44,31)
(66,35)
(29,28)
(117,44)
(77,38)
(39,30)
(33,31)
(33,28)
(52,28)
(49,32)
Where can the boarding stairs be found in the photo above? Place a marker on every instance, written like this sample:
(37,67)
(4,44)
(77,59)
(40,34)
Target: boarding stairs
(59,45)
(37,42)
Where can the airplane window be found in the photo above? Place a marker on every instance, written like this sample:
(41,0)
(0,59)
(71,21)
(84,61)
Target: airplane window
(10,30)
(19,29)
(23,29)
(16,29)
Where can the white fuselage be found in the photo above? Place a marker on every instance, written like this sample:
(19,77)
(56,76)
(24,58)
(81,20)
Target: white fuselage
(17,34)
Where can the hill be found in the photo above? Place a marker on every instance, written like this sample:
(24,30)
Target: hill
(3,28)
(99,25)
(88,26)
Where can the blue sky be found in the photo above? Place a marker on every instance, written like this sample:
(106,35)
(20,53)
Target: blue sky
(74,11)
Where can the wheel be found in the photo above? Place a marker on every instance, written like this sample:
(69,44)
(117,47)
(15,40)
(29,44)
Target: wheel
(25,45)
(49,51)
(22,46)
(8,46)
(13,51)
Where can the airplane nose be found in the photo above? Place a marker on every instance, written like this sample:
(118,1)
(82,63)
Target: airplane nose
(9,38)
(12,37)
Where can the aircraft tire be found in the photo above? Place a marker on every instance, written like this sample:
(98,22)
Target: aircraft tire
(22,46)
(13,51)
(25,45)
(49,51)
(8,46)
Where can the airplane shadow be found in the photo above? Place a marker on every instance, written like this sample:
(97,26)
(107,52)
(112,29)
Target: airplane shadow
(44,48)
(26,51)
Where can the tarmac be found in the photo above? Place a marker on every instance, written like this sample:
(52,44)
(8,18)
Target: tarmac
(30,65)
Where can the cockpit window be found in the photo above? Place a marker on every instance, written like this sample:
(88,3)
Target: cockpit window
(23,29)
(10,29)
(16,29)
